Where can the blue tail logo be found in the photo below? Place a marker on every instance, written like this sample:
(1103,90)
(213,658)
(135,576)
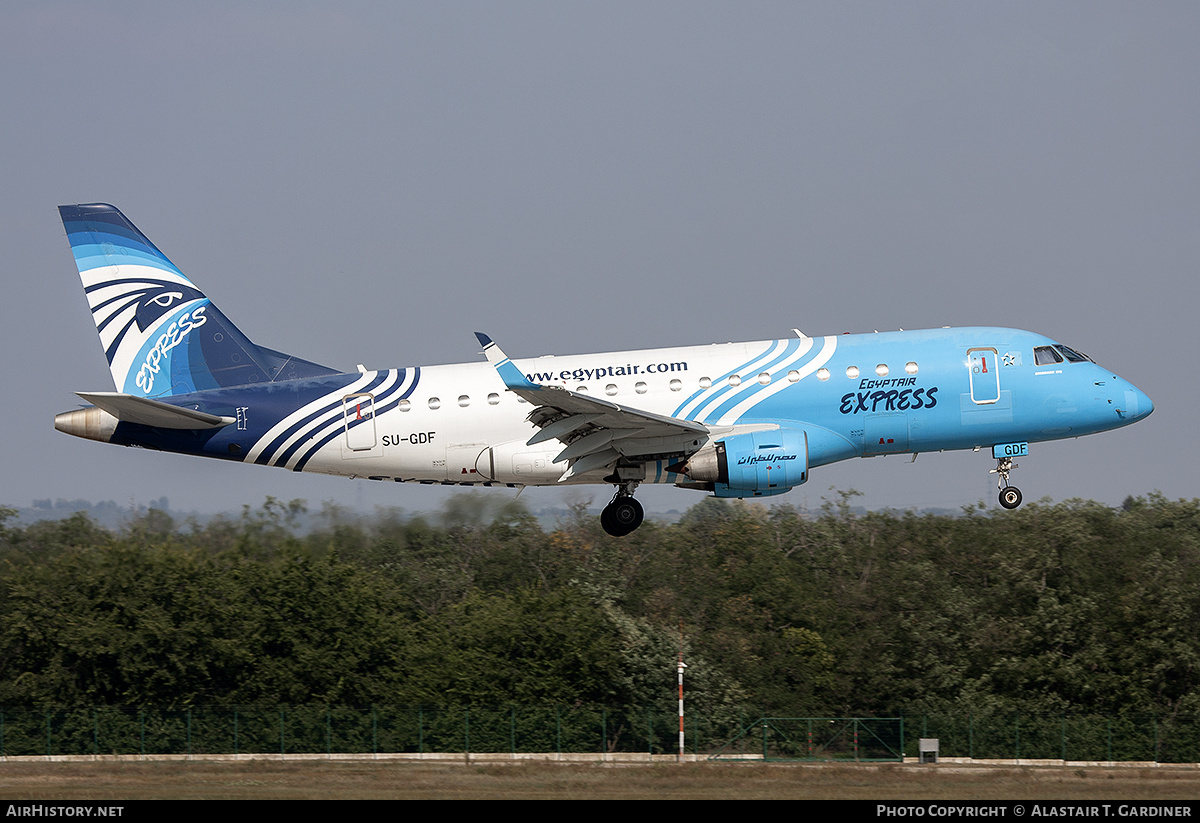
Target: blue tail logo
(162,336)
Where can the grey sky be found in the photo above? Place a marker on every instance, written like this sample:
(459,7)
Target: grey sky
(372,182)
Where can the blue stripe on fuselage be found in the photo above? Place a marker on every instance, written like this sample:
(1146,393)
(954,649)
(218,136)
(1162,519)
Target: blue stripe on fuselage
(267,404)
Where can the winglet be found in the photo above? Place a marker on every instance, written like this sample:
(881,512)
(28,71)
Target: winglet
(509,373)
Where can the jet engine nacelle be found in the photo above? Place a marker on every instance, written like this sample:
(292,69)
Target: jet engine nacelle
(755,464)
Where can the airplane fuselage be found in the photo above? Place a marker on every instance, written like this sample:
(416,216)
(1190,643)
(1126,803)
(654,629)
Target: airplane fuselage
(855,395)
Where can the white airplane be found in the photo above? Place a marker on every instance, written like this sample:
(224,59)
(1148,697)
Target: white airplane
(733,419)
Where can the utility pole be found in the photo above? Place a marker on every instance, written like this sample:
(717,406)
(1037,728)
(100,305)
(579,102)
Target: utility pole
(680,669)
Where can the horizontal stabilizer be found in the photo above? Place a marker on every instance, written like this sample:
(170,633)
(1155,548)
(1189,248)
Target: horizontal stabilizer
(146,412)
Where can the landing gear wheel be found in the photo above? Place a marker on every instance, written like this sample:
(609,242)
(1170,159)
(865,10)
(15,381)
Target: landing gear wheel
(622,516)
(1010,497)
(606,522)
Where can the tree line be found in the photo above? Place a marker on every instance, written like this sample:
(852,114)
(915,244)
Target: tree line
(1064,608)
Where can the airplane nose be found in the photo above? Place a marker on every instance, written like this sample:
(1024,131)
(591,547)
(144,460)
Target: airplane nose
(1138,404)
(1145,403)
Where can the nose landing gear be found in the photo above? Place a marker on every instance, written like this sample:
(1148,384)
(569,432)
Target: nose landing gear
(623,514)
(1010,496)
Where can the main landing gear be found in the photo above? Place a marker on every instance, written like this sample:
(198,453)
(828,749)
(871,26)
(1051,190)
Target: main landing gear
(623,514)
(1010,496)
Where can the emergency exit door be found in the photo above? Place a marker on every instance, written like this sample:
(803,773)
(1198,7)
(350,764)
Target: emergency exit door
(358,410)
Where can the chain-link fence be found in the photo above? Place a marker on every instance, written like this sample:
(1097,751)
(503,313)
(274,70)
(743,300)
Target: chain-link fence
(585,729)
(329,729)
(820,738)
(1069,737)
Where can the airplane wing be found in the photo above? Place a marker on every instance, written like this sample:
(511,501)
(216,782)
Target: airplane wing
(130,409)
(596,433)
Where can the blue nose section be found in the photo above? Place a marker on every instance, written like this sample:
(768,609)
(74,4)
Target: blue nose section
(1146,404)
(1137,403)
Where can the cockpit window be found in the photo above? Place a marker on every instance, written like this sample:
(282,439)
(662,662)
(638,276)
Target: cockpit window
(1073,356)
(1046,356)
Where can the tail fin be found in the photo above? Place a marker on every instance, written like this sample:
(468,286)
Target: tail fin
(161,334)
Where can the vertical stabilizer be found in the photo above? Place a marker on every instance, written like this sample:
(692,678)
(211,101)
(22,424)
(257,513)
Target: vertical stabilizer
(162,336)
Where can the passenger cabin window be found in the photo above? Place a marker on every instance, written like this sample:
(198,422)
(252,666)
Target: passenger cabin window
(1046,356)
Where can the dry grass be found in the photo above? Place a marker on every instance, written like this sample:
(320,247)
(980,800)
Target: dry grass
(264,780)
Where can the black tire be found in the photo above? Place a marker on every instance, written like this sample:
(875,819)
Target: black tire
(622,516)
(1010,497)
(606,521)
